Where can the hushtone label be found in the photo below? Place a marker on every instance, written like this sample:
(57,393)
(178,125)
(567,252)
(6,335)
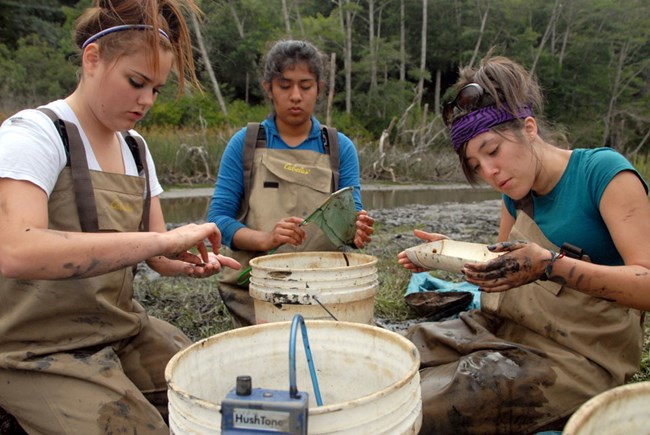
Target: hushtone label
(295,168)
(245,418)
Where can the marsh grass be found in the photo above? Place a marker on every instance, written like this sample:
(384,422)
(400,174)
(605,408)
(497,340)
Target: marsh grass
(187,156)
(193,305)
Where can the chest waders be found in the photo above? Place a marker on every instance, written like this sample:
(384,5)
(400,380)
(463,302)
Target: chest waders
(81,355)
(278,184)
(527,360)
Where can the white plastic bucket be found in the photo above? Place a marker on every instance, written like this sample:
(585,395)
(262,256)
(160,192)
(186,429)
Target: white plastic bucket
(622,410)
(368,377)
(317,285)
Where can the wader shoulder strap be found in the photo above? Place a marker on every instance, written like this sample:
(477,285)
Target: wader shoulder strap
(255,138)
(331,144)
(526,205)
(83,186)
(138,149)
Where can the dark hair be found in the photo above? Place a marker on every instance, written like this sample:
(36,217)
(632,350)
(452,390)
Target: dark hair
(166,15)
(288,53)
(509,84)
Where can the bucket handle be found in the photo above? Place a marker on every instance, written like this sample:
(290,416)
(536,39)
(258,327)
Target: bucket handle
(293,389)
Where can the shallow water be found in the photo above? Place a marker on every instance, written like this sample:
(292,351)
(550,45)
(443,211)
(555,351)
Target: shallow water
(192,205)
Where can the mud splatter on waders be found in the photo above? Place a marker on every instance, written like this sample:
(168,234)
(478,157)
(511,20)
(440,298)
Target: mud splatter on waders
(527,360)
(81,355)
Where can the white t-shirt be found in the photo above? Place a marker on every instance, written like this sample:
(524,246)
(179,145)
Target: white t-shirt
(31,149)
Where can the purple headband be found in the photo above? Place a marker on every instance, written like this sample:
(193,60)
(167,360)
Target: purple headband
(481,120)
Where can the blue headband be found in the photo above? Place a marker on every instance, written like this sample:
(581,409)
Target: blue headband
(481,120)
(113,29)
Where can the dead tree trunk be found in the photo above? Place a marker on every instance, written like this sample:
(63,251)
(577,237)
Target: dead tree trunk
(287,21)
(299,18)
(372,45)
(402,43)
(609,117)
(551,24)
(423,54)
(436,100)
(208,65)
(240,31)
(346,16)
(477,46)
(330,93)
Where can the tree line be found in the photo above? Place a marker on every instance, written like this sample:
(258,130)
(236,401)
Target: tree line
(390,62)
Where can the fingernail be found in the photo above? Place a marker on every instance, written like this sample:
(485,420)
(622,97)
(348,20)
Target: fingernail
(481,289)
(491,247)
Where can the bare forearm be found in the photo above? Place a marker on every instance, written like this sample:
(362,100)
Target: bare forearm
(49,254)
(627,285)
(247,239)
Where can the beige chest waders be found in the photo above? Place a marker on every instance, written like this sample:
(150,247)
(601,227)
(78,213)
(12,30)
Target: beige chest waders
(527,359)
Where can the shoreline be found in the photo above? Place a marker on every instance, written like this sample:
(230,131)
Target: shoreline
(196,192)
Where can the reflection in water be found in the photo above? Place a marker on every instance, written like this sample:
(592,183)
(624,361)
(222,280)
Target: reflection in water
(195,209)
(374,199)
(183,210)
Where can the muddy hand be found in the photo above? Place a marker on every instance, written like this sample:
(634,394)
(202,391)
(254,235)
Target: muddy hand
(521,264)
(364,229)
(403,259)
(214,265)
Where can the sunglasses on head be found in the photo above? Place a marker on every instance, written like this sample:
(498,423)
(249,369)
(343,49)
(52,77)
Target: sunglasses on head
(470,97)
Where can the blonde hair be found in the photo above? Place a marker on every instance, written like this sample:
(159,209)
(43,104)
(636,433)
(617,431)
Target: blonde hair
(165,15)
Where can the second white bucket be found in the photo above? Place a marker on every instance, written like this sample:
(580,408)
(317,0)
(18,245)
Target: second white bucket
(316,285)
(620,411)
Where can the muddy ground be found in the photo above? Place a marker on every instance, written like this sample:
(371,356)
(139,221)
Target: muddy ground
(472,222)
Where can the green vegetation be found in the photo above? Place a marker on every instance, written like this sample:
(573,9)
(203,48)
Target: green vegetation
(591,57)
(642,164)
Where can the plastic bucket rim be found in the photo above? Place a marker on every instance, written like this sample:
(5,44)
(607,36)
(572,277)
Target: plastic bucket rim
(403,341)
(591,407)
(259,274)
(253,263)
